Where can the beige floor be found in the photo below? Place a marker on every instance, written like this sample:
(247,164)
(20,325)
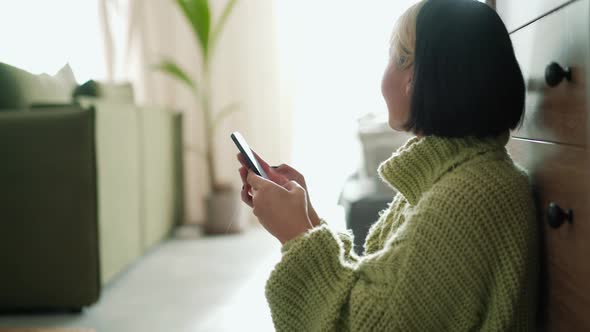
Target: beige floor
(192,284)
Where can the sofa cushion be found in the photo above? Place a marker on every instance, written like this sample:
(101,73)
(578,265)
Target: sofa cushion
(88,89)
(121,92)
(116,92)
(20,89)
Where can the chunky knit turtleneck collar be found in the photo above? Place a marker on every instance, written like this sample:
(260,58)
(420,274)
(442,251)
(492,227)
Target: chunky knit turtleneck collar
(421,161)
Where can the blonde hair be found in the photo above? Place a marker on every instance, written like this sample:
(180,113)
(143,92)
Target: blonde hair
(403,38)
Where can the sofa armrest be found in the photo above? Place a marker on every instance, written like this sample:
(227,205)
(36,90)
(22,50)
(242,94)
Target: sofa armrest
(162,169)
(48,209)
(119,175)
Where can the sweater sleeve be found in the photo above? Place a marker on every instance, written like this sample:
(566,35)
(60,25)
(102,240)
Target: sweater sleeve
(347,239)
(419,281)
(309,286)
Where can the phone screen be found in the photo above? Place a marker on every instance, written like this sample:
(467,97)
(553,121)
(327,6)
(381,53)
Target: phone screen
(248,155)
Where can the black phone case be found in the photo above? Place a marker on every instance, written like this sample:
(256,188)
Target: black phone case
(250,163)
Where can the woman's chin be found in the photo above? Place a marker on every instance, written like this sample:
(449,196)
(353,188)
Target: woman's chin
(395,125)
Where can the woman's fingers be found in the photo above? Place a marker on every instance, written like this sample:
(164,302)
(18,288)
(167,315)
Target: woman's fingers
(255,181)
(266,168)
(272,174)
(263,164)
(293,186)
(261,161)
(277,178)
(241,159)
(266,193)
(290,173)
(244,175)
(286,170)
(246,198)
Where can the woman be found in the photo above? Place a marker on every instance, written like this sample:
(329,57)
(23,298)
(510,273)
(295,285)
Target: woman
(456,249)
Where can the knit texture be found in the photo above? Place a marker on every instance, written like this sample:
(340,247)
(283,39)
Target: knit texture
(455,250)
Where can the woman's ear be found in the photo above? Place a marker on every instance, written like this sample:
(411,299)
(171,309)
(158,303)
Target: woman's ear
(408,79)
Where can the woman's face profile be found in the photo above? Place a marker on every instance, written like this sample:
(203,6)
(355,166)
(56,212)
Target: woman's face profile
(396,89)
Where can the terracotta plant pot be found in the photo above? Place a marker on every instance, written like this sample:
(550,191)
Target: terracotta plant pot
(225,213)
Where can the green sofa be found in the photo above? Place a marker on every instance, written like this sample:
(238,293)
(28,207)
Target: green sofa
(86,187)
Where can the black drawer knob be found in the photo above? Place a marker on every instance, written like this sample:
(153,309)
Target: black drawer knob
(557,216)
(554,74)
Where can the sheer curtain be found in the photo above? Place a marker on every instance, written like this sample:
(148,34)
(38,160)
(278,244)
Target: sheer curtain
(140,33)
(334,53)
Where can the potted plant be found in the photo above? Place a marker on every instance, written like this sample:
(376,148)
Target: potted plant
(223,203)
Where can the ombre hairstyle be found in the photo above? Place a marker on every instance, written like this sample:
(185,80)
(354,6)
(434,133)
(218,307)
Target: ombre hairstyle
(466,79)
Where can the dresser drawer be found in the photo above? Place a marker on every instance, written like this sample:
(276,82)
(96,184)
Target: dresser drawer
(561,175)
(555,113)
(516,13)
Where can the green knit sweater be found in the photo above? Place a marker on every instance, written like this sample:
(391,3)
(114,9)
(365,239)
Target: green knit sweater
(455,250)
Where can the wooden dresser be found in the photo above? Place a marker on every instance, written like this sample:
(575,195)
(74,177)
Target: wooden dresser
(551,40)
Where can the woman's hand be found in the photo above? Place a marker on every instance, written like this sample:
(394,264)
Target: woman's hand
(273,176)
(282,210)
(280,175)
(293,175)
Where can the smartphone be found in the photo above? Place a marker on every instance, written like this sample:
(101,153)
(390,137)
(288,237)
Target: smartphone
(245,150)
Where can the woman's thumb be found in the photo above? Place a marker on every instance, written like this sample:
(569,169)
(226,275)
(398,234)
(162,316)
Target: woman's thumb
(254,180)
(284,170)
(293,186)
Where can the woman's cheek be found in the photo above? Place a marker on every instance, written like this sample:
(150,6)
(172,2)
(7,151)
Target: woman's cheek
(391,87)
(386,83)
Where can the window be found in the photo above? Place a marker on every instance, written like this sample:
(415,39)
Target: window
(335,53)
(42,36)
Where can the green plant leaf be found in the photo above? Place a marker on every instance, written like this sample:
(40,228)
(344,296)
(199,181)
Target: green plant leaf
(174,70)
(218,28)
(198,14)
(224,112)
